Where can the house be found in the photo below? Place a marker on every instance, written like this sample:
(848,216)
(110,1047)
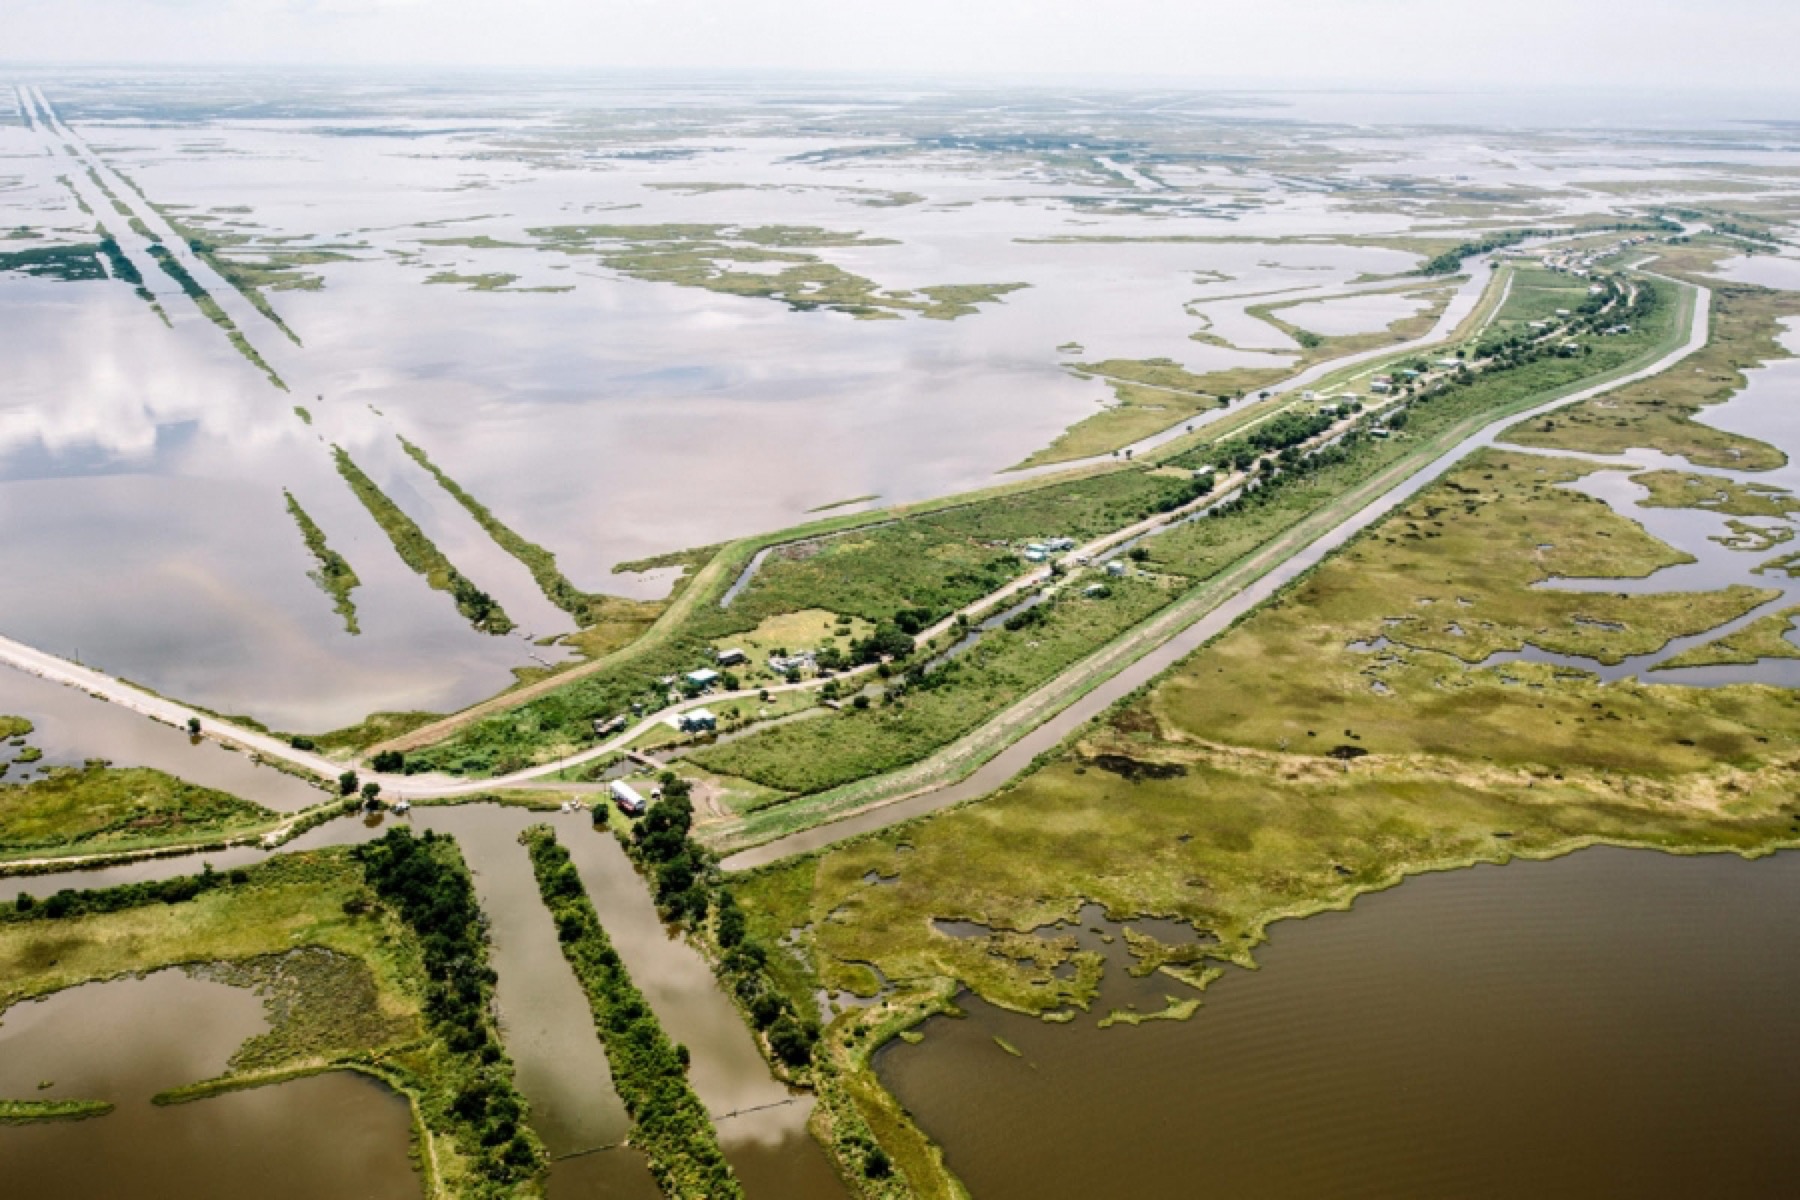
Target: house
(731,658)
(698,720)
(1057,545)
(1035,554)
(1448,364)
(1380,387)
(1562,312)
(1115,568)
(705,677)
(604,726)
(1409,373)
(1094,589)
(627,798)
(801,662)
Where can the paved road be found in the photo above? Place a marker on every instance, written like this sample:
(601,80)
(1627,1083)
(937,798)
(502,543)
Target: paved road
(424,786)
(1185,639)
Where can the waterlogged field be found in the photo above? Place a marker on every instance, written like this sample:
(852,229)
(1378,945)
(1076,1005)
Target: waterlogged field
(611,326)
(342,409)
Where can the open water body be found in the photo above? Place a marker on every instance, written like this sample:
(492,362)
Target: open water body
(544,1017)
(619,419)
(71,727)
(1615,1023)
(126,1040)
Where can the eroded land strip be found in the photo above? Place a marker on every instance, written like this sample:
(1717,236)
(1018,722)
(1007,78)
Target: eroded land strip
(730,571)
(986,759)
(924,785)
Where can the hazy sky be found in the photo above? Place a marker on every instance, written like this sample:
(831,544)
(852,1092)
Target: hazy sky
(1700,44)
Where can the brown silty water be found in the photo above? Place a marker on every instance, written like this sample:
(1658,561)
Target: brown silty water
(125,1041)
(1615,1023)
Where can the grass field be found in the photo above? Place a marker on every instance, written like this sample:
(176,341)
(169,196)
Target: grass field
(97,808)
(345,981)
(1659,412)
(811,756)
(1681,489)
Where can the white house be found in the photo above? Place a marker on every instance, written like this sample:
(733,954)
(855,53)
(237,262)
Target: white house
(627,798)
(704,677)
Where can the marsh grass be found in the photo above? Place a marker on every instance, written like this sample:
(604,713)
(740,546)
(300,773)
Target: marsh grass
(420,553)
(334,575)
(99,808)
(1746,327)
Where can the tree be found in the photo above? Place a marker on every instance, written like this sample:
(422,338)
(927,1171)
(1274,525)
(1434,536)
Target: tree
(371,791)
(346,783)
(194,726)
(388,762)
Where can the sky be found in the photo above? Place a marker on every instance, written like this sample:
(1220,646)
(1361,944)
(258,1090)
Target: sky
(1697,45)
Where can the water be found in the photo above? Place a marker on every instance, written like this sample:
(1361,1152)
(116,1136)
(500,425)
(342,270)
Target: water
(125,1041)
(71,727)
(545,1021)
(1491,1032)
(622,418)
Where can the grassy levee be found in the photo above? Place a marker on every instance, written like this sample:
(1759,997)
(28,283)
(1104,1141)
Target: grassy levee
(369,959)
(1746,328)
(335,576)
(693,617)
(25,1112)
(670,1125)
(1152,395)
(588,608)
(966,754)
(918,713)
(1487,310)
(101,810)
(204,301)
(420,553)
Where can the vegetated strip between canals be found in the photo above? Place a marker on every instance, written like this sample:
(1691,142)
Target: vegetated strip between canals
(986,759)
(933,783)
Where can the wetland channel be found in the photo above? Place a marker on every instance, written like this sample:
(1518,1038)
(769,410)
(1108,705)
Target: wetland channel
(544,1018)
(1612,1023)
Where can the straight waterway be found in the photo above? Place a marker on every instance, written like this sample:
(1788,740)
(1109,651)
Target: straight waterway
(544,1016)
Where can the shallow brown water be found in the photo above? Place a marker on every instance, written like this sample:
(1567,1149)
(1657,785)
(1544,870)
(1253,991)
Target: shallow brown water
(1616,1023)
(332,1135)
(766,1140)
